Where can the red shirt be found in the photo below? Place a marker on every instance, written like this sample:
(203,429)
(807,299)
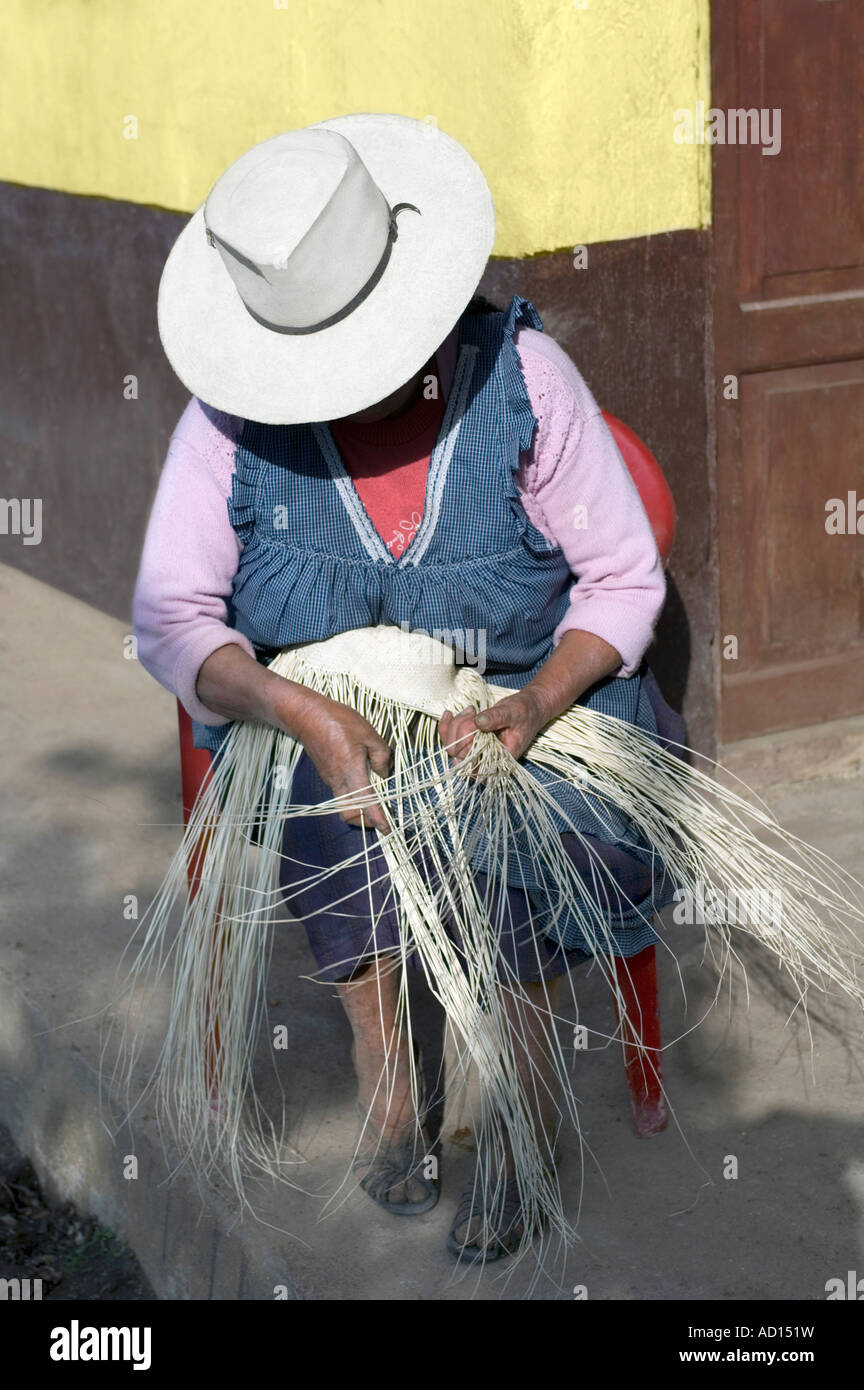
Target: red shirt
(388,462)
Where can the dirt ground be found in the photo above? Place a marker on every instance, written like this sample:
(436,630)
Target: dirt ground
(72,1254)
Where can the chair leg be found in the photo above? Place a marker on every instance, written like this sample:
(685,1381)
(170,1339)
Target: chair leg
(194,763)
(640,1030)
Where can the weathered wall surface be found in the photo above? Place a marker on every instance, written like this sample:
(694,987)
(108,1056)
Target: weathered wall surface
(569,110)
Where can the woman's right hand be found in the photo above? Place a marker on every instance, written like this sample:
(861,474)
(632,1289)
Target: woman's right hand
(338,740)
(343,746)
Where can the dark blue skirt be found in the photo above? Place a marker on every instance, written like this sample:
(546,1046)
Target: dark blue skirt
(350,916)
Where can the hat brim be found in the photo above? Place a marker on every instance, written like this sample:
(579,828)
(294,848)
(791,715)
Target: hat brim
(233,363)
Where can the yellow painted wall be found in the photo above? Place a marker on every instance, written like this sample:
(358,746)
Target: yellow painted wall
(567,109)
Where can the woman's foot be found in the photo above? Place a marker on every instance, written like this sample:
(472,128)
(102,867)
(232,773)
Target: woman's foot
(488,1224)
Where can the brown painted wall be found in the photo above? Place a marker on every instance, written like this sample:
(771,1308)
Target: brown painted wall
(636,322)
(79,279)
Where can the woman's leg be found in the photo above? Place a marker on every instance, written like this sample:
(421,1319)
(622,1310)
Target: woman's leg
(353,930)
(531,1008)
(382,1061)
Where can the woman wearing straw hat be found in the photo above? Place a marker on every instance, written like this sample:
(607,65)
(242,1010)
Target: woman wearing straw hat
(368,446)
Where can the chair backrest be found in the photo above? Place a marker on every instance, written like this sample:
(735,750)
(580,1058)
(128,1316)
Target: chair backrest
(650,483)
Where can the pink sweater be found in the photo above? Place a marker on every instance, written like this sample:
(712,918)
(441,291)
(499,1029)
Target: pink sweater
(575,488)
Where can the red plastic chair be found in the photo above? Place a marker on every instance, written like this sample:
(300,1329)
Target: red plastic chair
(637,976)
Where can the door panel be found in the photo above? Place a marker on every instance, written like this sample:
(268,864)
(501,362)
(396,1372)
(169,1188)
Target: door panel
(789,325)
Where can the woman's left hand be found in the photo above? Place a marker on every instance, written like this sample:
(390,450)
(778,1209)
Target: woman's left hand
(517,720)
(579,660)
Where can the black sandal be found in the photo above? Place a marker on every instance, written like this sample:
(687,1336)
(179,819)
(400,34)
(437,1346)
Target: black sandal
(499,1224)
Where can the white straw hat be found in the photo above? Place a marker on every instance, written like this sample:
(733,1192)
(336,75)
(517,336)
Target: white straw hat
(325,267)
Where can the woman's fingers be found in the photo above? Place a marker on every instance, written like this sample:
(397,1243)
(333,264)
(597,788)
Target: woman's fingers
(344,748)
(349,777)
(515,740)
(356,783)
(380,756)
(504,715)
(517,719)
(457,732)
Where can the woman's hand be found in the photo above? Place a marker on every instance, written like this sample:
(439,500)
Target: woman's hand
(579,660)
(343,746)
(517,720)
(338,740)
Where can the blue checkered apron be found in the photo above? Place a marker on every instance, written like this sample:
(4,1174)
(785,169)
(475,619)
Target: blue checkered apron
(312,564)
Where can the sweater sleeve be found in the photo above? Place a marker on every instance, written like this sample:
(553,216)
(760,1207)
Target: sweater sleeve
(577,490)
(189,560)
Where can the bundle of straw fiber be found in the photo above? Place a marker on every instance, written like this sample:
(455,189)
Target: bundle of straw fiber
(441,816)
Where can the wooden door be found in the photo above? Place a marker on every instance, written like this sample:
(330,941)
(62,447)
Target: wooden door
(789,327)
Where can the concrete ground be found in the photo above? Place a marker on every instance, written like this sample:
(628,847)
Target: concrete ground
(91,816)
